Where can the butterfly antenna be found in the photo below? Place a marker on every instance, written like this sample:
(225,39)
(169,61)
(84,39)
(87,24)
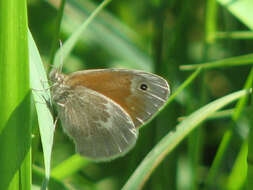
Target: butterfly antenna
(50,65)
(61,56)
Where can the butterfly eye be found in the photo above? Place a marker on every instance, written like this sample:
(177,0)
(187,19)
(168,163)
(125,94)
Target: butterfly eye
(143,87)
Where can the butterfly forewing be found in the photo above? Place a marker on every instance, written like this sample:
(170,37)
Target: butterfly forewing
(139,93)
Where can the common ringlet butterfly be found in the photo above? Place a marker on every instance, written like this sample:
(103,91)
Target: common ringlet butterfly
(102,109)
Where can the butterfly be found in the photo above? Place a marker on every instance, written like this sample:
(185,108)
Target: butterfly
(102,109)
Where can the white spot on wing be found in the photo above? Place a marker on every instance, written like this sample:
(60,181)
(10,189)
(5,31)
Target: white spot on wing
(148,113)
(109,123)
(140,120)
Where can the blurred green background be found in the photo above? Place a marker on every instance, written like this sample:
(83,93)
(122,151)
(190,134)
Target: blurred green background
(156,36)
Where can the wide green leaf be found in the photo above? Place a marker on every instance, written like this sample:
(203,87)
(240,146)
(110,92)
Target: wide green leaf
(15,118)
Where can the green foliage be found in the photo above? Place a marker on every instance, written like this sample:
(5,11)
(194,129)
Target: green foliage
(170,38)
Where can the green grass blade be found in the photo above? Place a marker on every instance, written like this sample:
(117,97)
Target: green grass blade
(242,102)
(217,115)
(26,171)
(69,166)
(184,85)
(214,169)
(226,139)
(228,62)
(15,142)
(211,21)
(13,57)
(15,125)
(57,31)
(238,175)
(55,184)
(244,35)
(105,30)
(67,47)
(45,119)
(170,141)
(249,181)
(240,9)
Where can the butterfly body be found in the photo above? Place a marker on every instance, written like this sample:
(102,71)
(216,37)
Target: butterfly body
(102,109)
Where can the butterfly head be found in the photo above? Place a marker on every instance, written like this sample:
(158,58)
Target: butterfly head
(56,77)
(58,89)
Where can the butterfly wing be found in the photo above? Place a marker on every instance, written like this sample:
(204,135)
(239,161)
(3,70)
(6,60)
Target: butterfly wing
(139,93)
(100,128)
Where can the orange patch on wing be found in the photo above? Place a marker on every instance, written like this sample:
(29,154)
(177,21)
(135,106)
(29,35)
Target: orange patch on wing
(115,85)
(111,84)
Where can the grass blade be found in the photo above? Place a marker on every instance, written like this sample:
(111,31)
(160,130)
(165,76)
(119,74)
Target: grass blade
(69,166)
(104,31)
(226,139)
(45,119)
(57,31)
(69,44)
(238,175)
(240,9)
(228,62)
(170,141)
(15,125)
